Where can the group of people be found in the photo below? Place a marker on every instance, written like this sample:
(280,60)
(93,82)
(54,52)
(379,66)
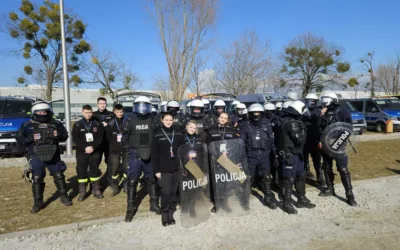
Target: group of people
(277,139)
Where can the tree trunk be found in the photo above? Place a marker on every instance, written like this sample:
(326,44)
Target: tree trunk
(49,86)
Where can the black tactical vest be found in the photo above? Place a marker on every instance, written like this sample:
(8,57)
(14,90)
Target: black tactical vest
(258,136)
(46,147)
(141,135)
(331,116)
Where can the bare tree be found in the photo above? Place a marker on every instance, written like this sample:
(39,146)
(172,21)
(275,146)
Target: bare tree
(198,84)
(244,66)
(112,74)
(367,64)
(182,26)
(162,87)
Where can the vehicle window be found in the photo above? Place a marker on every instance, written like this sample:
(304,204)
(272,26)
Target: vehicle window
(369,106)
(349,106)
(15,108)
(358,105)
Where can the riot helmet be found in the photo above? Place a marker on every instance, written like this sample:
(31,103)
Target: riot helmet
(163,106)
(239,109)
(42,112)
(278,106)
(196,108)
(256,112)
(269,109)
(173,107)
(142,106)
(207,105)
(311,100)
(218,105)
(328,99)
(298,108)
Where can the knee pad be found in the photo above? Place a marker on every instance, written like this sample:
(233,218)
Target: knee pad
(344,170)
(58,175)
(37,178)
(301,177)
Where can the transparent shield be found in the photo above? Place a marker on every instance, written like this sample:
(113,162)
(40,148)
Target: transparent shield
(194,185)
(338,139)
(229,171)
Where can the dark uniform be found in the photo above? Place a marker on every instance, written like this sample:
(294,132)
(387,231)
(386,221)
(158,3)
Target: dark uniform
(291,137)
(313,124)
(85,134)
(104,116)
(164,151)
(44,153)
(137,136)
(336,114)
(203,124)
(259,140)
(118,162)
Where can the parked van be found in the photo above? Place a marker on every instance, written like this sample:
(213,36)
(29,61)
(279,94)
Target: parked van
(375,116)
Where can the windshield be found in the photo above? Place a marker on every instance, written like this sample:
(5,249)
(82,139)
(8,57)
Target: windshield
(389,104)
(349,106)
(15,108)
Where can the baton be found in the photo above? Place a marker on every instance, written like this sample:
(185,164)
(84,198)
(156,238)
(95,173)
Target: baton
(351,144)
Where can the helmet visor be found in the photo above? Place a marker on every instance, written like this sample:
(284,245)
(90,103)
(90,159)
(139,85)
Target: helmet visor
(142,108)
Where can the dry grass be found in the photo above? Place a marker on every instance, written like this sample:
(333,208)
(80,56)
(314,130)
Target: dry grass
(375,159)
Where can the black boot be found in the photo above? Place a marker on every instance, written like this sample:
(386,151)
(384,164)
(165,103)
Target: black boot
(329,178)
(320,177)
(59,181)
(96,190)
(308,172)
(287,196)
(114,187)
(164,219)
(82,191)
(265,183)
(171,219)
(151,189)
(300,185)
(346,181)
(131,199)
(37,191)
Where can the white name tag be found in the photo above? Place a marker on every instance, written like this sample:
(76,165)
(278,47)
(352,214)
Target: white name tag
(222,148)
(89,137)
(119,137)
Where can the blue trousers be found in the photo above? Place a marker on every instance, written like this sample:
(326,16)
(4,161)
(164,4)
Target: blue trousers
(258,161)
(293,170)
(39,167)
(137,166)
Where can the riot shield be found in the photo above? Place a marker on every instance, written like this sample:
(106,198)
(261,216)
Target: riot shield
(338,139)
(194,185)
(229,171)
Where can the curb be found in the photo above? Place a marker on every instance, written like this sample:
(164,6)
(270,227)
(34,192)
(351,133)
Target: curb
(86,224)
(69,227)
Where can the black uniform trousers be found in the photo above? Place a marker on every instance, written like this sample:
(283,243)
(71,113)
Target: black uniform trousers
(88,166)
(117,165)
(169,184)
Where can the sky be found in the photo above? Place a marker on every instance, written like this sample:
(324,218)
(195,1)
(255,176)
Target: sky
(124,27)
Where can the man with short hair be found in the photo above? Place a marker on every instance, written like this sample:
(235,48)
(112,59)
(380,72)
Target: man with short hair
(117,162)
(103,116)
(87,134)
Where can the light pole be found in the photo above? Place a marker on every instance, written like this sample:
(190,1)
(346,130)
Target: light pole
(66,84)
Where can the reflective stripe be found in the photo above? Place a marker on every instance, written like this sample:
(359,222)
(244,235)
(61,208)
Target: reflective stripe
(8,140)
(125,176)
(94,179)
(115,177)
(83,180)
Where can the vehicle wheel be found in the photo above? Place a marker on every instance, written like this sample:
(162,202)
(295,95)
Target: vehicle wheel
(361,132)
(380,127)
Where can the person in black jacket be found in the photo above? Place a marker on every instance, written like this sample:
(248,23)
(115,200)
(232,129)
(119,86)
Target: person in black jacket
(115,167)
(220,131)
(166,142)
(103,116)
(88,137)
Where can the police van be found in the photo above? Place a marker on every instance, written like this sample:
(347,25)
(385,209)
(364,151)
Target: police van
(127,99)
(378,112)
(358,119)
(227,98)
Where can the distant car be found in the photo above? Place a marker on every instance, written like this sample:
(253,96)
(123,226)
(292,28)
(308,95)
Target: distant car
(358,119)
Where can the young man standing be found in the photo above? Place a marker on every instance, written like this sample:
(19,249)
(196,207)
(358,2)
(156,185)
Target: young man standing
(88,136)
(103,116)
(117,163)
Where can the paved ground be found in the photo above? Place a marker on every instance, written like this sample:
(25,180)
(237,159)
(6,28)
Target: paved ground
(374,224)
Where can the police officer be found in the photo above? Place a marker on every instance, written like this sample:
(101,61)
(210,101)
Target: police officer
(41,135)
(222,131)
(278,107)
(238,114)
(291,137)
(154,112)
(332,113)
(313,123)
(163,106)
(219,107)
(103,116)
(196,113)
(118,161)
(259,139)
(270,112)
(207,107)
(137,137)
(88,136)
(173,109)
